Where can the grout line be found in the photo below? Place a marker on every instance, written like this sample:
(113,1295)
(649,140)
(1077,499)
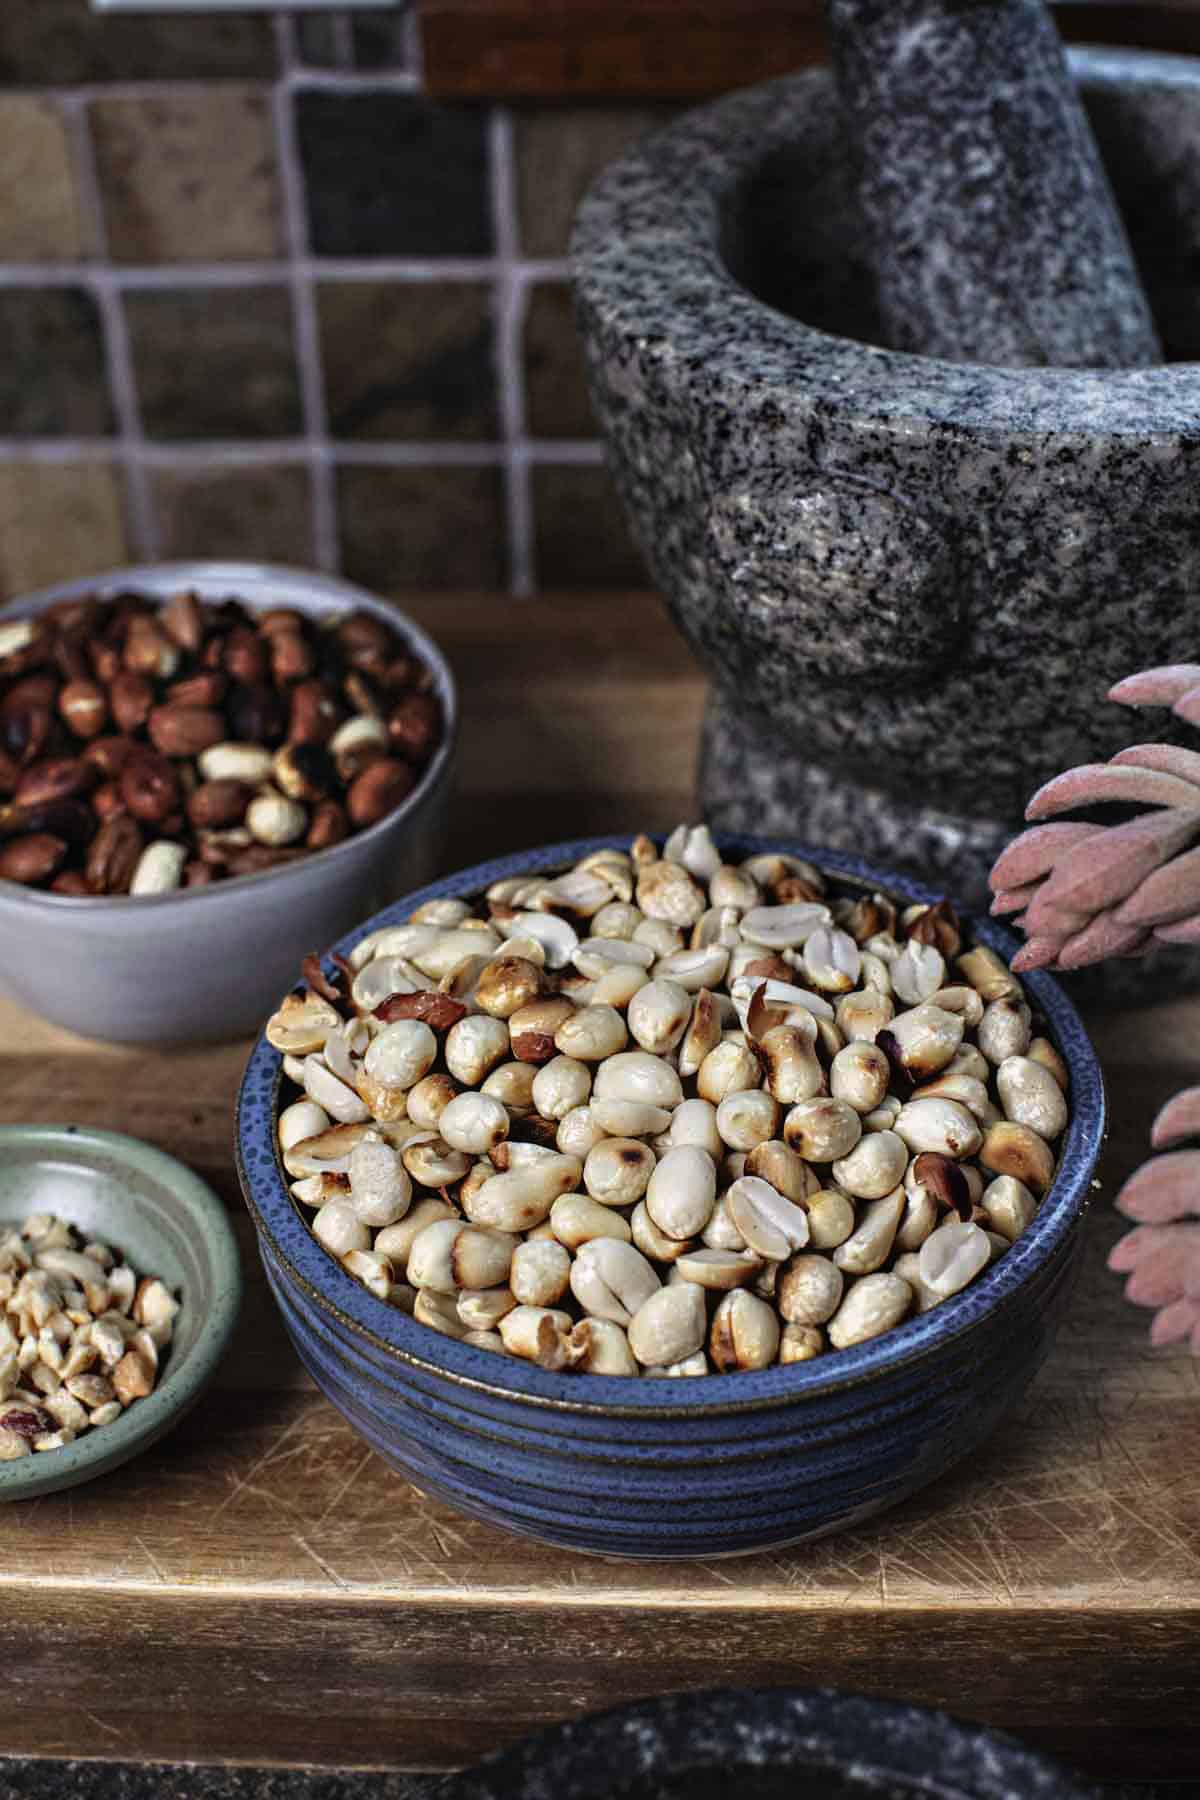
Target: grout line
(323,522)
(213,453)
(510,318)
(189,87)
(141,520)
(339,81)
(273,273)
(413,43)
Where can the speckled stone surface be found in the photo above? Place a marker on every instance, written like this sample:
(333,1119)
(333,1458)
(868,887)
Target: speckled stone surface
(916,577)
(993,234)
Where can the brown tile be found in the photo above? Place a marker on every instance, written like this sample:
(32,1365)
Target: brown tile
(57,521)
(192,178)
(52,379)
(258,513)
(215,362)
(421,528)
(582,540)
(408,360)
(556,396)
(559,150)
(58,42)
(39,205)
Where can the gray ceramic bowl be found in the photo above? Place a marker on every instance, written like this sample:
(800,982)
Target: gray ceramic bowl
(200,966)
(710,1467)
(167,1223)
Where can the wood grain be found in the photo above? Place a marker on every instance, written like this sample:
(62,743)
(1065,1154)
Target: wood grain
(688,49)
(260,1587)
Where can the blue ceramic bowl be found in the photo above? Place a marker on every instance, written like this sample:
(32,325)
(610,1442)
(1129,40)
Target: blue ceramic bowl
(708,1467)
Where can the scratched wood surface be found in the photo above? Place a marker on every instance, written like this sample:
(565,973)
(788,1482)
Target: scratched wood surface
(260,1587)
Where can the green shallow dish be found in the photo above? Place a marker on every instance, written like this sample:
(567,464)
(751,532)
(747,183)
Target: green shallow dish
(166,1222)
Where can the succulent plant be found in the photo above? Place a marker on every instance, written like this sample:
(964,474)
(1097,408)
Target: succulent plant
(1084,892)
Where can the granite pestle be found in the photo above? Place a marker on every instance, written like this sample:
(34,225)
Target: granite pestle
(991,228)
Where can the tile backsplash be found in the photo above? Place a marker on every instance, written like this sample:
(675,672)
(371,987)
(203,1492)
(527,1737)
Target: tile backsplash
(261,296)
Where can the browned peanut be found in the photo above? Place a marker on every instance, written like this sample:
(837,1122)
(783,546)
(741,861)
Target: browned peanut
(218,803)
(31,859)
(83,708)
(131,697)
(113,856)
(150,788)
(184,730)
(378,791)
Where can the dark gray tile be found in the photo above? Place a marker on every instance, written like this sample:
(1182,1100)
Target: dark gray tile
(394,175)
(316,39)
(59,42)
(52,375)
(408,359)
(380,38)
(556,396)
(189,178)
(581,537)
(407,528)
(262,514)
(215,362)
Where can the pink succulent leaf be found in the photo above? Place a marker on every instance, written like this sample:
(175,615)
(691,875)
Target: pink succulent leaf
(1170,759)
(1175,1322)
(1045,915)
(1188,706)
(1168,894)
(1156,687)
(1187,931)
(1144,1241)
(1103,871)
(1178,1119)
(1012,900)
(1157,1280)
(1093,783)
(1101,939)
(1035,852)
(1036,953)
(1164,1189)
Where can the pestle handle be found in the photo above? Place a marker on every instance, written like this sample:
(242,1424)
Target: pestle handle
(991,226)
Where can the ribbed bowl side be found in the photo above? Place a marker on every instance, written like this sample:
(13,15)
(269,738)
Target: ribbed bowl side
(683,1486)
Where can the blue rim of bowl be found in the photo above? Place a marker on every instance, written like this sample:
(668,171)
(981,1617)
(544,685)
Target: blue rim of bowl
(157,579)
(182,1385)
(279,1221)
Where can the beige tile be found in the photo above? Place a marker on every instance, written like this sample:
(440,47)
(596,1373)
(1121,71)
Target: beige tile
(405,528)
(559,150)
(582,540)
(191,178)
(58,520)
(39,204)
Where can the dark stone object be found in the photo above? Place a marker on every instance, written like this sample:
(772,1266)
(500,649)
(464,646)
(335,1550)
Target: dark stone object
(394,175)
(621,1468)
(991,228)
(912,580)
(767,1744)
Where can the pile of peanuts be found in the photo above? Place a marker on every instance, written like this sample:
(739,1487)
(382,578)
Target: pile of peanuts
(81,1335)
(146,748)
(666,1115)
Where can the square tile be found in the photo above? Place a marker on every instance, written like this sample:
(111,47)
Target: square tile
(52,377)
(58,520)
(39,204)
(191,178)
(59,42)
(407,528)
(316,39)
(408,359)
(262,514)
(581,538)
(380,38)
(394,175)
(559,149)
(556,396)
(215,362)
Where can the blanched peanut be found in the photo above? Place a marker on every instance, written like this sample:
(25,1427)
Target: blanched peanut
(810,1290)
(681,1194)
(1030,1095)
(874,1167)
(618,1170)
(540,1272)
(859,1075)
(744,1332)
(575,1220)
(870,1244)
(874,1305)
(822,1130)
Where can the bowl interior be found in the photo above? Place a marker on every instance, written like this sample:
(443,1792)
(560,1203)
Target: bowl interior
(259,586)
(166,1222)
(346,1303)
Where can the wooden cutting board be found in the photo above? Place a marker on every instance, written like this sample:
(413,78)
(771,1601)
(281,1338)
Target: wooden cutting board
(260,1587)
